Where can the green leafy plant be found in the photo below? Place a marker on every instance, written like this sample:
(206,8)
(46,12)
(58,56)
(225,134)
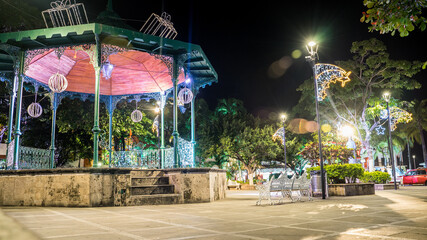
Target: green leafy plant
(341,173)
(376,177)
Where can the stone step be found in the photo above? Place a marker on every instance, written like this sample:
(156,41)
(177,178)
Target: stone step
(151,189)
(146,173)
(156,199)
(150,181)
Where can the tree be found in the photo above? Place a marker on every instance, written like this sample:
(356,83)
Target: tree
(372,72)
(229,119)
(390,15)
(332,153)
(251,147)
(415,129)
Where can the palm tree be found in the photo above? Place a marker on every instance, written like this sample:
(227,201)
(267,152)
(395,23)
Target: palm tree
(415,129)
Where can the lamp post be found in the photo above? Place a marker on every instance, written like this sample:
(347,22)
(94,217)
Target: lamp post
(413,157)
(386,97)
(312,51)
(283,117)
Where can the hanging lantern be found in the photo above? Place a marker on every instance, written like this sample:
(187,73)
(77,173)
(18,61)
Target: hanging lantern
(185,96)
(136,116)
(107,69)
(34,110)
(58,83)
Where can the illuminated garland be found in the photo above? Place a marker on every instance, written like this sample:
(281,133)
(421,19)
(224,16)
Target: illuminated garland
(398,115)
(278,135)
(327,74)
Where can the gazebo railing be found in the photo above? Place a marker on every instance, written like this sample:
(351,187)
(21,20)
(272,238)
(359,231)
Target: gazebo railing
(150,158)
(33,158)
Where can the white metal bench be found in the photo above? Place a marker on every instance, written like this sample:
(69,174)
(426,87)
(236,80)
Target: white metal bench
(286,186)
(233,184)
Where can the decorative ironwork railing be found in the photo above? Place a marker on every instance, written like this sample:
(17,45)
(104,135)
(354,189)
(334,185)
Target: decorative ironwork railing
(150,158)
(33,158)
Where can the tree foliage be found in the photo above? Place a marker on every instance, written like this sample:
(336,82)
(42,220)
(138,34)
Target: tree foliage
(372,73)
(387,16)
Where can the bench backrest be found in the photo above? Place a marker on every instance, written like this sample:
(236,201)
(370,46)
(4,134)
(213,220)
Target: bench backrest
(302,182)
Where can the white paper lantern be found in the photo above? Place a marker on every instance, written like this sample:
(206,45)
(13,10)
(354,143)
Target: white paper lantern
(136,116)
(34,110)
(185,96)
(58,83)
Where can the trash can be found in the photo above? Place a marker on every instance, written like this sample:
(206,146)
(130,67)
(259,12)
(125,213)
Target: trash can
(316,183)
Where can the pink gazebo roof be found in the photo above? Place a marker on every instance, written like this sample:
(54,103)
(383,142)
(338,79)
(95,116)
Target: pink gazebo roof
(134,72)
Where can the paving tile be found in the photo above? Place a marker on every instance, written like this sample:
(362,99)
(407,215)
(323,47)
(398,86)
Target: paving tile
(386,215)
(172,232)
(334,226)
(284,233)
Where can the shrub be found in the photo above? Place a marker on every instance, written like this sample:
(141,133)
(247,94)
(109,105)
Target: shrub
(339,173)
(376,177)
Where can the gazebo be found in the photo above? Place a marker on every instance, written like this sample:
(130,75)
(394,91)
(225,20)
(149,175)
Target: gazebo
(107,62)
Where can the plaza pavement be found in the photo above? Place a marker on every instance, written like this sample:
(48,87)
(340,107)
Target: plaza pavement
(390,214)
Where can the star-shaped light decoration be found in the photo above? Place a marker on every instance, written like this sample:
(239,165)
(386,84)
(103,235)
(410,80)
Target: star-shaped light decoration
(380,130)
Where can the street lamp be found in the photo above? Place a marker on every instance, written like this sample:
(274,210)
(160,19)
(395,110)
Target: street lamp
(413,157)
(312,58)
(386,97)
(283,117)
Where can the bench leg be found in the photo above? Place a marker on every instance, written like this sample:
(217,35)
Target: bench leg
(264,194)
(287,193)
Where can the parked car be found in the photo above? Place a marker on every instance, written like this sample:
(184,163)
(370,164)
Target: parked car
(416,176)
(399,175)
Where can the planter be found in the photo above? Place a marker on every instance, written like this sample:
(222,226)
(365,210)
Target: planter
(388,186)
(351,189)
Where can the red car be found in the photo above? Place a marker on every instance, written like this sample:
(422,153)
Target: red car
(416,176)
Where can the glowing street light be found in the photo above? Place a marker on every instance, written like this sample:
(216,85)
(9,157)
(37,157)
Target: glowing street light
(386,97)
(347,131)
(283,117)
(413,157)
(312,58)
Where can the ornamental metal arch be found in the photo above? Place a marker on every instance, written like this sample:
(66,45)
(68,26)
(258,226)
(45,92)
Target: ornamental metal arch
(327,74)
(38,53)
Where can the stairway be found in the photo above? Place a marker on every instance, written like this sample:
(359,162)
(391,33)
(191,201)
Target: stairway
(151,187)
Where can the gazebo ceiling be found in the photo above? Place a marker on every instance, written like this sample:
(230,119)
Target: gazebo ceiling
(134,72)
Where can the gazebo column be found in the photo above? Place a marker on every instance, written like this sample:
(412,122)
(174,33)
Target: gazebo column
(175,134)
(18,111)
(110,129)
(54,106)
(96,61)
(162,129)
(193,126)
(10,116)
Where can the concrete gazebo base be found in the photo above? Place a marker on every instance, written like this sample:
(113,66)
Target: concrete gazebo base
(93,187)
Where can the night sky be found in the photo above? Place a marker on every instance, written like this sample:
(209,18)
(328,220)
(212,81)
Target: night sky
(245,40)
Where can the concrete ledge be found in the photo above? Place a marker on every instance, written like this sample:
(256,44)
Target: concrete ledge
(388,186)
(94,187)
(351,189)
